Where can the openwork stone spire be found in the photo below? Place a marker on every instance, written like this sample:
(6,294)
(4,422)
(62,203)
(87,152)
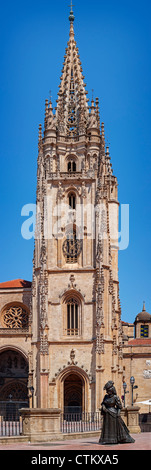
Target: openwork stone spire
(72,97)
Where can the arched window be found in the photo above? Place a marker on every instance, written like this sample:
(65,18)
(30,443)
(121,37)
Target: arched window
(72,166)
(72,318)
(72,306)
(72,201)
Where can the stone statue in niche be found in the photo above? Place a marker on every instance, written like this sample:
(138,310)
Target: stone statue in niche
(114,429)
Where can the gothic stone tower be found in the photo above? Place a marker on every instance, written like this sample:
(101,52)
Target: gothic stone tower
(76,319)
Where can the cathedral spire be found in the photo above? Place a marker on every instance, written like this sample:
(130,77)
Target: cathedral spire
(72,96)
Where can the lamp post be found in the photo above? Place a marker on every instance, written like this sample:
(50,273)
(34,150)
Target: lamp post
(132,382)
(124,388)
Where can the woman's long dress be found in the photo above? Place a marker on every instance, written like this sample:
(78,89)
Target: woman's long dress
(114,429)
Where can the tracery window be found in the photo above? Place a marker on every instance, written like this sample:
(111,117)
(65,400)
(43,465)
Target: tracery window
(72,317)
(72,248)
(15,316)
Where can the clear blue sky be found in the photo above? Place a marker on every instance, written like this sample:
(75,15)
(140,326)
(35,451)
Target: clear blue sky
(114,40)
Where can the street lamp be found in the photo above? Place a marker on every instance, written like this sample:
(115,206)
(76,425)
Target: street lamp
(132,381)
(125,387)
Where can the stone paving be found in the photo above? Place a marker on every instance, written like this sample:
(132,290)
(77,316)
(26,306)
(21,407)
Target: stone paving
(142,442)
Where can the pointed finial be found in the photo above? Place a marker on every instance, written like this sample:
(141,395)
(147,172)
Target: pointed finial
(46,112)
(71,19)
(40,137)
(97,111)
(71,16)
(108,161)
(144,309)
(40,131)
(92,104)
(102,129)
(46,107)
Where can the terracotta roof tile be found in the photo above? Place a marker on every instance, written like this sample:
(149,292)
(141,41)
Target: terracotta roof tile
(139,341)
(15,283)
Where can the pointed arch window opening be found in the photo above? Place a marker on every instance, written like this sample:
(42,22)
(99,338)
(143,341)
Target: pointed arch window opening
(72,201)
(72,167)
(73,317)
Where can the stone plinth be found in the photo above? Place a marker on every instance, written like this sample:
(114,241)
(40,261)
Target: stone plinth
(124,415)
(41,425)
(133,419)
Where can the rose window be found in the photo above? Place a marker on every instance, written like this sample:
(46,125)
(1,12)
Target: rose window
(15,317)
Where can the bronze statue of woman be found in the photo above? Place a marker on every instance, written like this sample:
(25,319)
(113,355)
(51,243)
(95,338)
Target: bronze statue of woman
(114,429)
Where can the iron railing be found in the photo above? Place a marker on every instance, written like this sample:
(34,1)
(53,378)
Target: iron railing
(10,419)
(80,422)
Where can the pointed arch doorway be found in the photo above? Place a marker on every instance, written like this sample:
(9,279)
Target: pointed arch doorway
(73,394)
(13,383)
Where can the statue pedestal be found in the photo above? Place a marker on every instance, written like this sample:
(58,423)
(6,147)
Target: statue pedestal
(133,419)
(124,415)
(41,425)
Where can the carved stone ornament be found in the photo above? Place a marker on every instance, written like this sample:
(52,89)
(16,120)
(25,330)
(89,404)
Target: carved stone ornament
(72,249)
(99,256)
(72,281)
(114,351)
(43,256)
(103,226)
(30,358)
(72,285)
(83,191)
(148,362)
(120,350)
(72,356)
(44,348)
(147,374)
(99,342)
(15,317)
(61,192)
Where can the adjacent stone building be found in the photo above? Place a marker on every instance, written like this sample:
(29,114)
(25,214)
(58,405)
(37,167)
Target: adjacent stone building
(137,357)
(61,337)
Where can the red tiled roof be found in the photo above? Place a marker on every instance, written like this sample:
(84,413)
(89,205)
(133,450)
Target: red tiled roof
(15,283)
(139,342)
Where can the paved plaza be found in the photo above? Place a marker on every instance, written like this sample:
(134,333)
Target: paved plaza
(142,442)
